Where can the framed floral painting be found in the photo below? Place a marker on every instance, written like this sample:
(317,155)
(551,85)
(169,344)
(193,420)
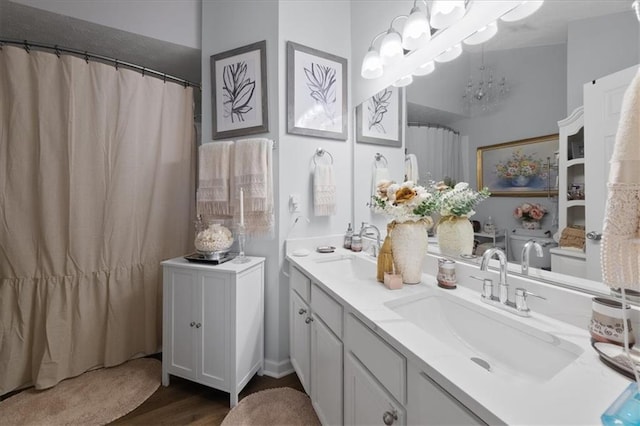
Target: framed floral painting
(379,118)
(316,93)
(239,91)
(524,168)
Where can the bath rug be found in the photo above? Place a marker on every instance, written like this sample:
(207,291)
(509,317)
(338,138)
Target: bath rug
(279,406)
(93,398)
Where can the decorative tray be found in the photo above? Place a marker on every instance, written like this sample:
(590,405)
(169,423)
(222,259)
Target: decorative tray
(200,258)
(614,356)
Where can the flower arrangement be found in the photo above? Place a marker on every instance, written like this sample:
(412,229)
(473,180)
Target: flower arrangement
(519,165)
(528,212)
(404,202)
(460,200)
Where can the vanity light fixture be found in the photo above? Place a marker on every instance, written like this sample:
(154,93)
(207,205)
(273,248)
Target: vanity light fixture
(444,13)
(525,9)
(425,69)
(372,62)
(391,45)
(450,54)
(404,81)
(417,31)
(482,35)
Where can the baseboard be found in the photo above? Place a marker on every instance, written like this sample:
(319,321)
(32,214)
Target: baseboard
(277,369)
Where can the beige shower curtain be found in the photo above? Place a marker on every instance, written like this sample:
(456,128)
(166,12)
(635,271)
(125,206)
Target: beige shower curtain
(96,188)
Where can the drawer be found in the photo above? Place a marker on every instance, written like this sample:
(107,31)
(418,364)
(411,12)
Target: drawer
(300,283)
(328,309)
(387,365)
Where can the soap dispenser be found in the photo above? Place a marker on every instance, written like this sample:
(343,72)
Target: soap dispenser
(348,236)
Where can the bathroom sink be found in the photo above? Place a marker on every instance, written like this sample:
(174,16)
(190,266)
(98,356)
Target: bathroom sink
(348,267)
(493,340)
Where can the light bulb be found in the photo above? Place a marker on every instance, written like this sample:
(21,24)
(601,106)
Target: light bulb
(403,81)
(444,13)
(371,65)
(416,32)
(425,69)
(391,47)
(525,9)
(482,35)
(450,54)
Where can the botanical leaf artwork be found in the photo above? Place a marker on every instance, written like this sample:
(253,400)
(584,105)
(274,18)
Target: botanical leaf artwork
(377,107)
(237,90)
(321,81)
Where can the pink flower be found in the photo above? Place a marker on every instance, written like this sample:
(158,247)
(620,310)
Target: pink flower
(517,213)
(526,207)
(536,213)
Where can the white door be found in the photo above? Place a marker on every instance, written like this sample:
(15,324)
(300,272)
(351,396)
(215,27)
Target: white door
(214,329)
(300,339)
(182,320)
(326,373)
(365,401)
(602,104)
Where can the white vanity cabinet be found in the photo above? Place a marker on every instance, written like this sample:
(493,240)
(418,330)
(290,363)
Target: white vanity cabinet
(213,323)
(316,346)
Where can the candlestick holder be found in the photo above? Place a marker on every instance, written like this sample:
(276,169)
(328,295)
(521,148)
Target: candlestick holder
(242,237)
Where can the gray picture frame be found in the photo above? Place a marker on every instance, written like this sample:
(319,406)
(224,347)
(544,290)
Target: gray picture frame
(316,93)
(377,115)
(248,87)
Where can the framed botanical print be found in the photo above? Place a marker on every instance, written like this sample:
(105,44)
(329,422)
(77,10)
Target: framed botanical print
(316,93)
(379,118)
(239,91)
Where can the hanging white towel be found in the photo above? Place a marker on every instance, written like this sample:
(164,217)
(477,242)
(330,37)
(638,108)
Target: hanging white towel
(253,172)
(620,251)
(212,195)
(411,168)
(324,190)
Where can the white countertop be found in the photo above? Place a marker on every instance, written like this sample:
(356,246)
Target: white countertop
(578,394)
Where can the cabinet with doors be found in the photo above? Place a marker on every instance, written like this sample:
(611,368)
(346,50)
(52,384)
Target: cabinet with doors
(213,323)
(316,345)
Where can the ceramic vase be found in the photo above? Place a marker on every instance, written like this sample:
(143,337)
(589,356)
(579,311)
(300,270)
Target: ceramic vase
(530,224)
(520,181)
(455,236)
(409,246)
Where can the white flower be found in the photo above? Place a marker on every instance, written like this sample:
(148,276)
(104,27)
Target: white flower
(461,186)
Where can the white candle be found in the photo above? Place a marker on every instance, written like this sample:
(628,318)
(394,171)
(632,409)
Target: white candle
(241,207)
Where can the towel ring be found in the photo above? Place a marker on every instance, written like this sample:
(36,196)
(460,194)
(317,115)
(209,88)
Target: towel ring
(320,152)
(379,158)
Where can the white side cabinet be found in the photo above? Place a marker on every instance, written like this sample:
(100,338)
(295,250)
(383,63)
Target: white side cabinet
(213,323)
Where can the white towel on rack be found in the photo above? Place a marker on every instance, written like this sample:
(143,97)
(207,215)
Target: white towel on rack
(253,172)
(379,174)
(212,195)
(620,251)
(324,190)
(411,168)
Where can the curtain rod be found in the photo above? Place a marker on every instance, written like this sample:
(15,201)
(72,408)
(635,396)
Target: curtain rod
(437,126)
(27,45)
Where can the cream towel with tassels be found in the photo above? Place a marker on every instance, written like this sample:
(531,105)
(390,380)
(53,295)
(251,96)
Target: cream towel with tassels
(324,190)
(212,195)
(620,250)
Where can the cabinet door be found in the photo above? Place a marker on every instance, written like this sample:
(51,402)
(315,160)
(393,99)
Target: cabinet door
(300,338)
(366,402)
(326,373)
(213,302)
(429,404)
(180,348)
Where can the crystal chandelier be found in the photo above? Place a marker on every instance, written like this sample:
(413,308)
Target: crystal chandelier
(485,93)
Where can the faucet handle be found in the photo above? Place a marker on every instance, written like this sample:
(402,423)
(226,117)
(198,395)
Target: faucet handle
(487,286)
(521,299)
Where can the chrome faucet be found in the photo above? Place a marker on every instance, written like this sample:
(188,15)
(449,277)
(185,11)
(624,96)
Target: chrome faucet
(502,258)
(525,254)
(363,233)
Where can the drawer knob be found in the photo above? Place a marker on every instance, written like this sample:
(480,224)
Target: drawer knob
(302,311)
(389,417)
(198,325)
(192,324)
(308,320)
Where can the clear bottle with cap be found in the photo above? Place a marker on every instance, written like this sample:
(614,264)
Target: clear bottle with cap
(489,227)
(348,237)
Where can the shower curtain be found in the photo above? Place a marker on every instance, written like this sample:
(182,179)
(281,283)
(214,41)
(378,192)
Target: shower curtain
(96,188)
(439,152)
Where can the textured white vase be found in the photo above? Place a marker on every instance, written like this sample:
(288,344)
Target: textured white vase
(409,246)
(455,236)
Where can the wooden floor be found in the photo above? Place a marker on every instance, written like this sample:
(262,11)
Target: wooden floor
(187,403)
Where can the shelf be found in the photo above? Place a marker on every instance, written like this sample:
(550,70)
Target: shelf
(497,234)
(576,203)
(575,162)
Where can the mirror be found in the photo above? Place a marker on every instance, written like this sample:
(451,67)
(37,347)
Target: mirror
(546,60)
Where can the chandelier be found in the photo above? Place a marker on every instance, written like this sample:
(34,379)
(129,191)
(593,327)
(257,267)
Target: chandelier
(486,92)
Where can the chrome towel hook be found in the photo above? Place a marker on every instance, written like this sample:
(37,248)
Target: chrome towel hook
(320,152)
(381,159)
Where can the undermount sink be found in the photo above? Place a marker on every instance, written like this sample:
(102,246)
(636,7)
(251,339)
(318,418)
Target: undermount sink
(348,267)
(496,342)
